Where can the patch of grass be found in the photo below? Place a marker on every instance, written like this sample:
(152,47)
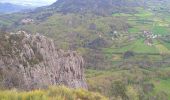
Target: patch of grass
(162,49)
(167,45)
(142,13)
(121,14)
(53,93)
(133,30)
(159,30)
(137,46)
(162,85)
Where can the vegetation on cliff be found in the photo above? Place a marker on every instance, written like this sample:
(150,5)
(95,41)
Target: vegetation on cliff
(52,93)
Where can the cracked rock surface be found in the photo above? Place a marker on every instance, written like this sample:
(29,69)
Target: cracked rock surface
(32,61)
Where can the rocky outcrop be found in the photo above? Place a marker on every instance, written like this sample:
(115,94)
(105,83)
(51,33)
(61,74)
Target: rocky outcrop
(32,61)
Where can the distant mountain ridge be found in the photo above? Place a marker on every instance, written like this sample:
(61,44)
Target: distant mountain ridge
(103,7)
(10,8)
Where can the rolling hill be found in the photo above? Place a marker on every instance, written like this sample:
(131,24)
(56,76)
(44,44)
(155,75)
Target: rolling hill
(125,43)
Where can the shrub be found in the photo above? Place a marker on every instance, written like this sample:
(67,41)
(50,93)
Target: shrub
(119,90)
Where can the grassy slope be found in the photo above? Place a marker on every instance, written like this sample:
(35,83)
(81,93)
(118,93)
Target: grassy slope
(162,85)
(138,46)
(102,81)
(53,93)
(57,26)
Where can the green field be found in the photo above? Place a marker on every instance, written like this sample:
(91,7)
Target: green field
(137,46)
(162,85)
(159,30)
(167,45)
(111,36)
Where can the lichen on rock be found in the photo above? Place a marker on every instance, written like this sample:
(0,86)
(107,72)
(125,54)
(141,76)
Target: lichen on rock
(32,61)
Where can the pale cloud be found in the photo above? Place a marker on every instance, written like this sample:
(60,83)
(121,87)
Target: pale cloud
(29,2)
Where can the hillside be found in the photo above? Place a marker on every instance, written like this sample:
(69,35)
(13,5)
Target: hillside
(98,7)
(87,29)
(79,6)
(125,43)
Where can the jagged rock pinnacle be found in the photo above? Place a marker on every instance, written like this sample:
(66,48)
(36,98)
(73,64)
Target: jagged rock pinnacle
(32,61)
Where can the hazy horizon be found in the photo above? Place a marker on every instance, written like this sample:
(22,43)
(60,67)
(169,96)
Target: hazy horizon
(30,2)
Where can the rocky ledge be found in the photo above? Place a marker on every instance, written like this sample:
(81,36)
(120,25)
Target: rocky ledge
(32,61)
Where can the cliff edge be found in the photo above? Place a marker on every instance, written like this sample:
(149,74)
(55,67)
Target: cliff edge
(32,61)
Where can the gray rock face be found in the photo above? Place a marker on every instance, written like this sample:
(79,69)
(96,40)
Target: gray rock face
(32,61)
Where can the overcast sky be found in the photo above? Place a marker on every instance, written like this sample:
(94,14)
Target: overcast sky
(29,2)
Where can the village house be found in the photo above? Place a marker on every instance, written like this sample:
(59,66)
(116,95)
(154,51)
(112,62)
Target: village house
(149,38)
(27,21)
(148,35)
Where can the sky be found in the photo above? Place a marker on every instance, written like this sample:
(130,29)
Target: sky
(29,2)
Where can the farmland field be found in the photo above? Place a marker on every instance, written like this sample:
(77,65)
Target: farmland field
(126,48)
(162,85)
